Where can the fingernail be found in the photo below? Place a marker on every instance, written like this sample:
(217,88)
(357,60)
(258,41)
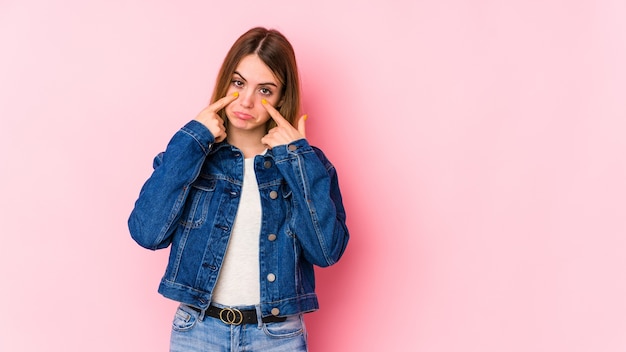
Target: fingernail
(236,94)
(263,101)
(305,117)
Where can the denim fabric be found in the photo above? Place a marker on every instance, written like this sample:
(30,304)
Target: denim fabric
(190,201)
(191,333)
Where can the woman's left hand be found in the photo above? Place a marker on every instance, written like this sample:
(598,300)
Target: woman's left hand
(284,132)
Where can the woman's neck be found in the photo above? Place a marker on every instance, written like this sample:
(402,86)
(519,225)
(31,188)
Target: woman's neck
(249,142)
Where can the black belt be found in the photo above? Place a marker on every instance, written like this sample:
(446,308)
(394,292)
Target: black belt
(234,316)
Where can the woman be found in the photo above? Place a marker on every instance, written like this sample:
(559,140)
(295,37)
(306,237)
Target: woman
(247,206)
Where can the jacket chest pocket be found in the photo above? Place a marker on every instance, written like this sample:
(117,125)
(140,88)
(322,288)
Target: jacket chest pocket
(196,207)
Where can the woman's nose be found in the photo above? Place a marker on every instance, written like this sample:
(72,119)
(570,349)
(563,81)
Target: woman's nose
(246,98)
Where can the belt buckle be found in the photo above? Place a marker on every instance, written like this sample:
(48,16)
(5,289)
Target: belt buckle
(231,316)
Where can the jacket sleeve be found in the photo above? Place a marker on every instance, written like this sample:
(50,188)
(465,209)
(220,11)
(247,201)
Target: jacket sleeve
(319,218)
(161,199)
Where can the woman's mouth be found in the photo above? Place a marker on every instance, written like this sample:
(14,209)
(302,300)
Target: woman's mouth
(243,116)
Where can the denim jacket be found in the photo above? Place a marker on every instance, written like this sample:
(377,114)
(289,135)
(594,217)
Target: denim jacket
(190,202)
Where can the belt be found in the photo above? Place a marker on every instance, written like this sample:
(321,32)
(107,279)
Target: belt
(234,316)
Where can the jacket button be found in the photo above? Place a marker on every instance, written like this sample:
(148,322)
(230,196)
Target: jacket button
(271,237)
(292,147)
(271,277)
(275,311)
(267,164)
(273,194)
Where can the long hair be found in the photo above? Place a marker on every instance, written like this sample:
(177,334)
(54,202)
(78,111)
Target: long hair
(276,52)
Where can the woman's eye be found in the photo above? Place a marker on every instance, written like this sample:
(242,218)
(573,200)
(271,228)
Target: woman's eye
(237,83)
(265,91)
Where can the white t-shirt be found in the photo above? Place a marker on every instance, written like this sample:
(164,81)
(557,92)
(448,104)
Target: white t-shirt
(238,282)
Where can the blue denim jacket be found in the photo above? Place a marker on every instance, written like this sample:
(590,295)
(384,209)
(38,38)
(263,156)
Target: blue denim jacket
(190,202)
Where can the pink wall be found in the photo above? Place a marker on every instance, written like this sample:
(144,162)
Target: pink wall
(480,146)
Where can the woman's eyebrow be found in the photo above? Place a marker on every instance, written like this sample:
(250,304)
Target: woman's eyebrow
(260,84)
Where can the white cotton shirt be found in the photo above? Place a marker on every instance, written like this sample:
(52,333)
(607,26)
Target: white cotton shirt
(238,283)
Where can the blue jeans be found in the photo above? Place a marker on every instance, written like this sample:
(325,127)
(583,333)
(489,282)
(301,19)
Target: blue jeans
(190,333)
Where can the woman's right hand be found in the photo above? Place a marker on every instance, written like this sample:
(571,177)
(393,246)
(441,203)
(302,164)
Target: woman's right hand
(211,120)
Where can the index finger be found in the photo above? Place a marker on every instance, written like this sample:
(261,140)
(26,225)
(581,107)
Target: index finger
(223,102)
(276,116)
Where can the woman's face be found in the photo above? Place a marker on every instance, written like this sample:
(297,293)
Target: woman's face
(254,81)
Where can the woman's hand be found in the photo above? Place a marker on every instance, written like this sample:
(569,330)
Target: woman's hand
(284,132)
(209,117)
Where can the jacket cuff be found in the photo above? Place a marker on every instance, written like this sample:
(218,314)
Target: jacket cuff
(200,133)
(287,151)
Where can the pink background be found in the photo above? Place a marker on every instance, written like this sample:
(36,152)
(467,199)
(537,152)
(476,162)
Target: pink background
(480,148)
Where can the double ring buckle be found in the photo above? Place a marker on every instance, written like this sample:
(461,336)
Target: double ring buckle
(231,316)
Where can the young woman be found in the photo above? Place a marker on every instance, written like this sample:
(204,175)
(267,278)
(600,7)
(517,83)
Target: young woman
(248,207)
